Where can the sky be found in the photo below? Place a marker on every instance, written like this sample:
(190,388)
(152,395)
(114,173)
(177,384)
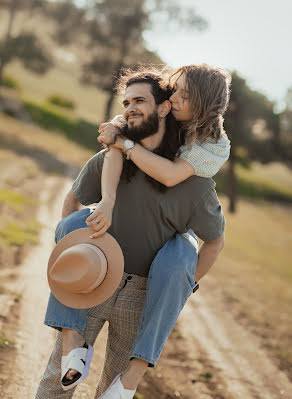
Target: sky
(253,37)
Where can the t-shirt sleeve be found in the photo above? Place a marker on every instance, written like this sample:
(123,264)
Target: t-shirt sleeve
(87,186)
(208,221)
(208,157)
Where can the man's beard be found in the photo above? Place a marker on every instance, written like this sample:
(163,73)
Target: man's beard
(146,129)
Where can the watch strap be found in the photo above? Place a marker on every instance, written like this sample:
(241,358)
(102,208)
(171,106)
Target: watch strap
(196,286)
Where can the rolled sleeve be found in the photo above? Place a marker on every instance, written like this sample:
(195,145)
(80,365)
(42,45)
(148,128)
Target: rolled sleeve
(87,186)
(208,221)
(208,157)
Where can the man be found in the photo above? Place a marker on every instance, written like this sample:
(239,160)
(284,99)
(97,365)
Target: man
(145,217)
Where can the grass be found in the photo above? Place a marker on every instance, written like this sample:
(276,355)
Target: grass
(61,101)
(206,375)
(14,200)
(4,340)
(257,183)
(22,139)
(11,83)
(19,234)
(89,101)
(78,130)
(27,155)
(255,273)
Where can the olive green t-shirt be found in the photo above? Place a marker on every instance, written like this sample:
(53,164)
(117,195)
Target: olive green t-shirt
(144,219)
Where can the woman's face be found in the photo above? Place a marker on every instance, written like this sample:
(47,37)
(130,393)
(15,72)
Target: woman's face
(180,105)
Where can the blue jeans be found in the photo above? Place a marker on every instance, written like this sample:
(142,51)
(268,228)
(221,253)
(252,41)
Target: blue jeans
(170,283)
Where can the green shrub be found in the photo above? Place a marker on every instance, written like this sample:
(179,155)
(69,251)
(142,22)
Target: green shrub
(4,340)
(14,200)
(10,82)
(249,186)
(61,101)
(80,131)
(20,234)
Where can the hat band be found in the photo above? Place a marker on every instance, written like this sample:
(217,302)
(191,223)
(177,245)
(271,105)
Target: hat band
(103,269)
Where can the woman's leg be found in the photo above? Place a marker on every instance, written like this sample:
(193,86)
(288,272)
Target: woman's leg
(58,315)
(170,282)
(70,321)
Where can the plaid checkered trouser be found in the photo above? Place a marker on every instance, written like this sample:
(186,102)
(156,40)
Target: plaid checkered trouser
(123,311)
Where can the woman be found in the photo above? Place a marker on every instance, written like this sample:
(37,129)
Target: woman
(199,100)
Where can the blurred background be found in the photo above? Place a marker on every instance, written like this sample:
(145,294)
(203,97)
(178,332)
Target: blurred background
(59,61)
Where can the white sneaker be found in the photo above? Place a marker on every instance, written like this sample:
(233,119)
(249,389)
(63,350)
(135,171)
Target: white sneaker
(117,391)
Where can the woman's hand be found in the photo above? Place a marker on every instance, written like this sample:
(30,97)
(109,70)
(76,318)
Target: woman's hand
(101,219)
(107,133)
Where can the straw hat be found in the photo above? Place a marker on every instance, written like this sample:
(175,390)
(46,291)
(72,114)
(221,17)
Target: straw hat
(84,272)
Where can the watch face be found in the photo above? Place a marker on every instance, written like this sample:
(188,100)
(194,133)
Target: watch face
(128,144)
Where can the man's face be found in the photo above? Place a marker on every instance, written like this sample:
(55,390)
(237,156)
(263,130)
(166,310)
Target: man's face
(140,111)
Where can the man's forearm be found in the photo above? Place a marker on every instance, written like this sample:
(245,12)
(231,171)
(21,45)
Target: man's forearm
(208,254)
(70,205)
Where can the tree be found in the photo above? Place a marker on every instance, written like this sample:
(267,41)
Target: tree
(247,110)
(286,118)
(24,44)
(114,35)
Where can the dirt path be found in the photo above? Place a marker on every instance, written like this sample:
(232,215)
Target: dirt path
(242,365)
(210,335)
(34,341)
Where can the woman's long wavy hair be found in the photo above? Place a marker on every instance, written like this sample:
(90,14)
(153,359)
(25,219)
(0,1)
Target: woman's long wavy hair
(209,93)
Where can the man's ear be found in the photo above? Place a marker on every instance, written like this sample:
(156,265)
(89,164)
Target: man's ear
(164,109)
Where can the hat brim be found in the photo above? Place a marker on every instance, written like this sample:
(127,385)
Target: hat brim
(115,263)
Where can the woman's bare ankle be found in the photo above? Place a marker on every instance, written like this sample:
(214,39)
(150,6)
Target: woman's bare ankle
(71,340)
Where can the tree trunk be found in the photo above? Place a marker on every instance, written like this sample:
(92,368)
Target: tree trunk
(3,61)
(110,101)
(117,70)
(277,131)
(109,105)
(2,65)
(231,184)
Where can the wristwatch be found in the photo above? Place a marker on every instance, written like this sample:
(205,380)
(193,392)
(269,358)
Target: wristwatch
(127,147)
(195,287)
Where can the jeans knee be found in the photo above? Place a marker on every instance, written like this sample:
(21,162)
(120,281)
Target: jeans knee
(63,228)
(174,275)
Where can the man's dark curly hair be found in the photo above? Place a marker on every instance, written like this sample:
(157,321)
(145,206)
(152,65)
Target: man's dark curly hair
(161,92)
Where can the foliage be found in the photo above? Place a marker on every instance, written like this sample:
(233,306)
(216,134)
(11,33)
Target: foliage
(23,45)
(80,131)
(19,234)
(113,32)
(61,101)
(70,21)
(251,186)
(10,82)
(14,200)
(4,340)
(247,107)
(29,50)
(286,119)
(206,374)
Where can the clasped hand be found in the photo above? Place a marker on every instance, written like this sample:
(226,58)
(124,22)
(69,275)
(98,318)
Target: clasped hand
(101,219)
(108,134)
